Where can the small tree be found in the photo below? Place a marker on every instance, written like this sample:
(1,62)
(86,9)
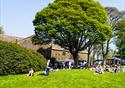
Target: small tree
(1,30)
(72,24)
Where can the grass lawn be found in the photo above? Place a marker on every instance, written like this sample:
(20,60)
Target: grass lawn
(65,79)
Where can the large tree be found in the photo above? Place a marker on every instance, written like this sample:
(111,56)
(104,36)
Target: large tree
(114,16)
(120,38)
(73,24)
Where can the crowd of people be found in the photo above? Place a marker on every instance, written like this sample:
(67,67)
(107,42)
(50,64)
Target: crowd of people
(70,64)
(54,67)
(99,69)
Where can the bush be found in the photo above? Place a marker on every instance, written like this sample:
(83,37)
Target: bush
(15,59)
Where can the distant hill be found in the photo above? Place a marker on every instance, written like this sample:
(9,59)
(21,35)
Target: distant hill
(25,42)
(8,38)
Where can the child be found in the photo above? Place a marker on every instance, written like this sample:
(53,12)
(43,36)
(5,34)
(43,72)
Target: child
(31,72)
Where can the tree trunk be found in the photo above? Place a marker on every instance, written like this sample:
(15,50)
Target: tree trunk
(107,47)
(76,59)
(93,58)
(88,60)
(104,54)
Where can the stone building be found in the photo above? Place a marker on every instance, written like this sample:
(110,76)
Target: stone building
(62,54)
(51,50)
(48,50)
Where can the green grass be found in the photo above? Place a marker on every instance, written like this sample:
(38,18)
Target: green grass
(65,79)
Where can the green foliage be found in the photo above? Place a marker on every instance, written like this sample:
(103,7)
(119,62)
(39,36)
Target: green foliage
(15,59)
(64,19)
(73,24)
(65,79)
(35,40)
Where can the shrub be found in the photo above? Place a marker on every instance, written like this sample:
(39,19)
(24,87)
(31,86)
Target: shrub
(15,59)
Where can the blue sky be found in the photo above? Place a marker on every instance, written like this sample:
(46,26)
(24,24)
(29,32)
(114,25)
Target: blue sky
(16,15)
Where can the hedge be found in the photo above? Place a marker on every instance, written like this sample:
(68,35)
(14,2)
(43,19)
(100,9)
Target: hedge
(15,59)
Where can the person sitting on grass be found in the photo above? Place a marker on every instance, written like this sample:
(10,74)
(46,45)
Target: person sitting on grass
(99,69)
(47,70)
(107,68)
(81,65)
(116,69)
(31,72)
(55,68)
